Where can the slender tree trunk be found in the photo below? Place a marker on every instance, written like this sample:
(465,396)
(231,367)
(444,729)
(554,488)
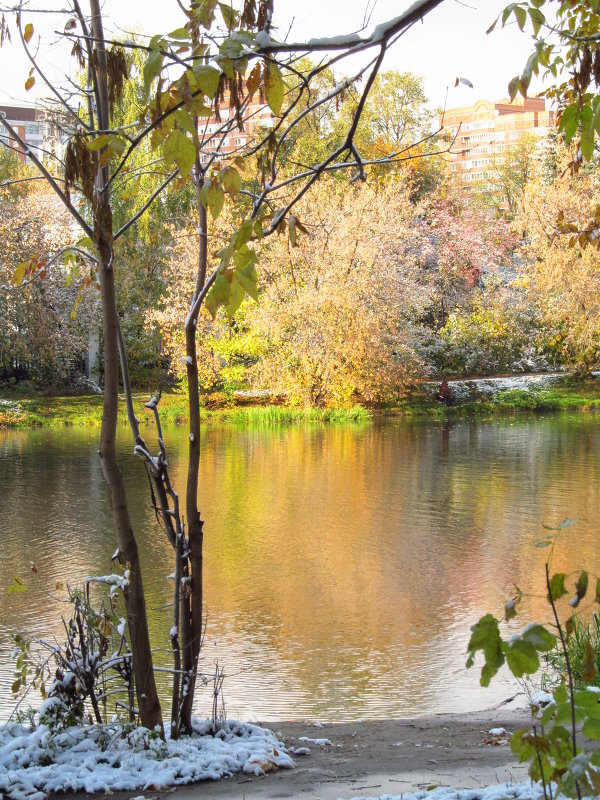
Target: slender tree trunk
(135,603)
(194,520)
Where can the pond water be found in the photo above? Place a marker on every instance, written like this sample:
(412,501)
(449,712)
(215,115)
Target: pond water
(344,564)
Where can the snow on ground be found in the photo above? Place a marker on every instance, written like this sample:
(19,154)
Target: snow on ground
(111,757)
(502,791)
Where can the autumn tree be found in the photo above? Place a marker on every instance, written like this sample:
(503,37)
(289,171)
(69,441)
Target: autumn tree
(338,310)
(38,329)
(559,268)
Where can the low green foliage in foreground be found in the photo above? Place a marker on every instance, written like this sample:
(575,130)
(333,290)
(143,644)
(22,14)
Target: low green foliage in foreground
(560,721)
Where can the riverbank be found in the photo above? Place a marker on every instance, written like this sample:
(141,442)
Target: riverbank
(373,758)
(86,410)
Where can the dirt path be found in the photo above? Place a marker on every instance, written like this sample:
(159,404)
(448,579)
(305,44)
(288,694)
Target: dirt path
(376,758)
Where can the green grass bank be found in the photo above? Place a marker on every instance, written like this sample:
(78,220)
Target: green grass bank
(52,412)
(38,411)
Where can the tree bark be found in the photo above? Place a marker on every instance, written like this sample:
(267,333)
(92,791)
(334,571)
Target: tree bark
(135,603)
(191,650)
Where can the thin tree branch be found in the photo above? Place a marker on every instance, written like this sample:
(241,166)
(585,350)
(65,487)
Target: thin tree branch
(145,207)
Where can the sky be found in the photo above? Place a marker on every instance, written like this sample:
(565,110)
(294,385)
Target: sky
(451,41)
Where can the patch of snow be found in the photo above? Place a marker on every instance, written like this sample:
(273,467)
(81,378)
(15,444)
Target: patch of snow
(497,732)
(262,39)
(318,724)
(299,751)
(122,581)
(107,758)
(474,387)
(541,699)
(121,627)
(319,742)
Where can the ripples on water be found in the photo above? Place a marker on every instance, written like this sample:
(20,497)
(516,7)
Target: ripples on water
(344,564)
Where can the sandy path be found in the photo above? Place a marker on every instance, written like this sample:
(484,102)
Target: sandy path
(375,758)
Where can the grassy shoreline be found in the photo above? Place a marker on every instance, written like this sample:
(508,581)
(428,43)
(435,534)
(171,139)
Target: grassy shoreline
(52,412)
(86,410)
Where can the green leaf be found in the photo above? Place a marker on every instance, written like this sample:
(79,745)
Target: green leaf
(586,143)
(537,19)
(236,298)
(180,149)
(560,694)
(179,33)
(485,636)
(569,121)
(99,142)
(152,67)
(597,597)
(513,87)
(207,79)
(226,64)
(248,278)
(16,686)
(506,13)
(243,234)
(581,586)
(521,16)
(557,585)
(212,197)
(587,700)
(218,295)
(539,637)
(522,658)
(231,181)
(229,15)
(185,120)
(204,11)
(274,87)
(591,728)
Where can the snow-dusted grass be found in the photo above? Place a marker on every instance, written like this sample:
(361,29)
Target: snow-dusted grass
(111,757)
(501,791)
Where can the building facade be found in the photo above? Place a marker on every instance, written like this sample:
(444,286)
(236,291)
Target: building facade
(483,132)
(256,115)
(28,124)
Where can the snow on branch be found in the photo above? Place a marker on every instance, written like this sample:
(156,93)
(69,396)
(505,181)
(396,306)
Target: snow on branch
(353,42)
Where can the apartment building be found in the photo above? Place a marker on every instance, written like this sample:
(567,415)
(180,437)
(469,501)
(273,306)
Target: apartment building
(484,131)
(29,125)
(255,116)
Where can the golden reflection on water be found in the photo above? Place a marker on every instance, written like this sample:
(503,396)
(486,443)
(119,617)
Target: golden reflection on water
(344,564)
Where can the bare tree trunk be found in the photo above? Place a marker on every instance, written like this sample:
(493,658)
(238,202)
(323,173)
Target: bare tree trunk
(135,603)
(195,524)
